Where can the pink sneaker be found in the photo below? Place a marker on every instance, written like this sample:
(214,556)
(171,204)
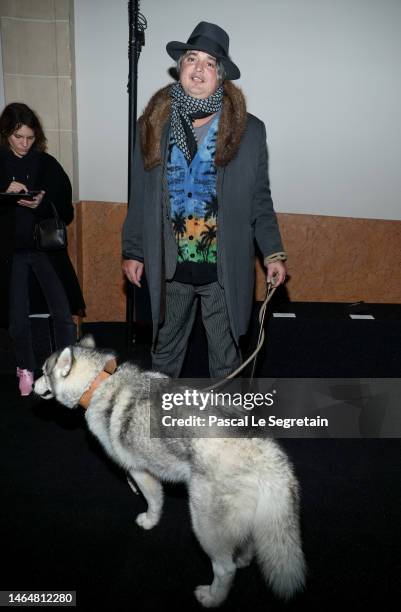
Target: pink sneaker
(25,381)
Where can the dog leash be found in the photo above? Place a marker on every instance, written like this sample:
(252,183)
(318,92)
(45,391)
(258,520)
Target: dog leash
(261,338)
(111,366)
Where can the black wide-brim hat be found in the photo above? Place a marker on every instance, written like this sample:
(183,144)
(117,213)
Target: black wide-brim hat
(209,38)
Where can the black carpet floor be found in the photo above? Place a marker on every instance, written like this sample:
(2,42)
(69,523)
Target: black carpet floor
(67,514)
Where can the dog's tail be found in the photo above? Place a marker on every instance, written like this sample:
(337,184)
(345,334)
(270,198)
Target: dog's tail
(277,538)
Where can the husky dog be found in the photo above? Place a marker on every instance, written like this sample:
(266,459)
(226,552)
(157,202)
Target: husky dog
(243,494)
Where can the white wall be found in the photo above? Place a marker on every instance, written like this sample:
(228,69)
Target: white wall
(323,75)
(2,103)
(101,63)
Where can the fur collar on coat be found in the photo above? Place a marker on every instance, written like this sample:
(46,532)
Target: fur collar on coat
(231,125)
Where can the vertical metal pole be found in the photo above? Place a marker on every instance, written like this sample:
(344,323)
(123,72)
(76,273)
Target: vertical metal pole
(135,42)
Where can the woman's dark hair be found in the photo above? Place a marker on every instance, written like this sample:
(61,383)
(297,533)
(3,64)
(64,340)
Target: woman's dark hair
(16,115)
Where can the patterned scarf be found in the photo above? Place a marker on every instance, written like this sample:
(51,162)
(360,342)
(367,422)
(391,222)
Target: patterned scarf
(184,110)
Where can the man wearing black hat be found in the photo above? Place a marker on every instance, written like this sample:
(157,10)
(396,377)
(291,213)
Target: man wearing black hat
(200,198)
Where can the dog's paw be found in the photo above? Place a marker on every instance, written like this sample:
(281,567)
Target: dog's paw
(204,596)
(145,521)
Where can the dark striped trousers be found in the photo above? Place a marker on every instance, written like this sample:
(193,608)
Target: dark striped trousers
(172,340)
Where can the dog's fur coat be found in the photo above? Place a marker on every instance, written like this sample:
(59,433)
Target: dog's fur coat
(243,495)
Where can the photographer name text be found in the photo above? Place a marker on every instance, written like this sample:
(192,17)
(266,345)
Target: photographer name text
(248,420)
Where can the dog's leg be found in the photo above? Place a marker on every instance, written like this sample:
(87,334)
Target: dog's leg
(245,554)
(217,541)
(213,595)
(152,491)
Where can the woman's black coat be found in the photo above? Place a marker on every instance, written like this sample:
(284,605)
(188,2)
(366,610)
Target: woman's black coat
(55,182)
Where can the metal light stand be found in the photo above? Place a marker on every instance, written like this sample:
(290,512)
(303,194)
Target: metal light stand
(136,40)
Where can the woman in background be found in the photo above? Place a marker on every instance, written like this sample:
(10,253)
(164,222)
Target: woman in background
(25,166)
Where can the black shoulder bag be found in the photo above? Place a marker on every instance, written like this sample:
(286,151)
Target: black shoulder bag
(51,234)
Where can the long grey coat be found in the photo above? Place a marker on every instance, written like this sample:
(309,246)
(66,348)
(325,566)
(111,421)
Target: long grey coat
(245,205)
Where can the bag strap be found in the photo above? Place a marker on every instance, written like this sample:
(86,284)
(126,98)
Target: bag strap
(56,215)
(54,209)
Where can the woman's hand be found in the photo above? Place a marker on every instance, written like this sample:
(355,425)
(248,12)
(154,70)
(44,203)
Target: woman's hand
(15,187)
(32,203)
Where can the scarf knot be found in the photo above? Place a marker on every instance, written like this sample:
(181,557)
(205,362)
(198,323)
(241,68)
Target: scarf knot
(184,109)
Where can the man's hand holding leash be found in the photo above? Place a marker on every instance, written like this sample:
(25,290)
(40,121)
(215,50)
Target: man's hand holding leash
(276,273)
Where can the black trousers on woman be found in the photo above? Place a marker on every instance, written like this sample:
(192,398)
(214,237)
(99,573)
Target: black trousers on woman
(56,299)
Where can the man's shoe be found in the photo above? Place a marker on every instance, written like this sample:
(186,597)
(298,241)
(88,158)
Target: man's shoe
(25,381)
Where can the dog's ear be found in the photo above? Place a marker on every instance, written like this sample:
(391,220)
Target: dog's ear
(64,362)
(87,341)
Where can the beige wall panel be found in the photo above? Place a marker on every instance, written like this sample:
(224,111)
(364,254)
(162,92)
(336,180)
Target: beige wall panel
(64,93)
(8,8)
(24,36)
(12,89)
(63,56)
(35,9)
(74,152)
(62,8)
(37,62)
(9,45)
(65,152)
(41,93)
(53,143)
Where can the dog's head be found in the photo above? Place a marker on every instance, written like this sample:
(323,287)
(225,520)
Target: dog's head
(68,373)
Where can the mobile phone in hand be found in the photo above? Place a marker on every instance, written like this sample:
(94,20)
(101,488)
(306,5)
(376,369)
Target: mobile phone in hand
(29,195)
